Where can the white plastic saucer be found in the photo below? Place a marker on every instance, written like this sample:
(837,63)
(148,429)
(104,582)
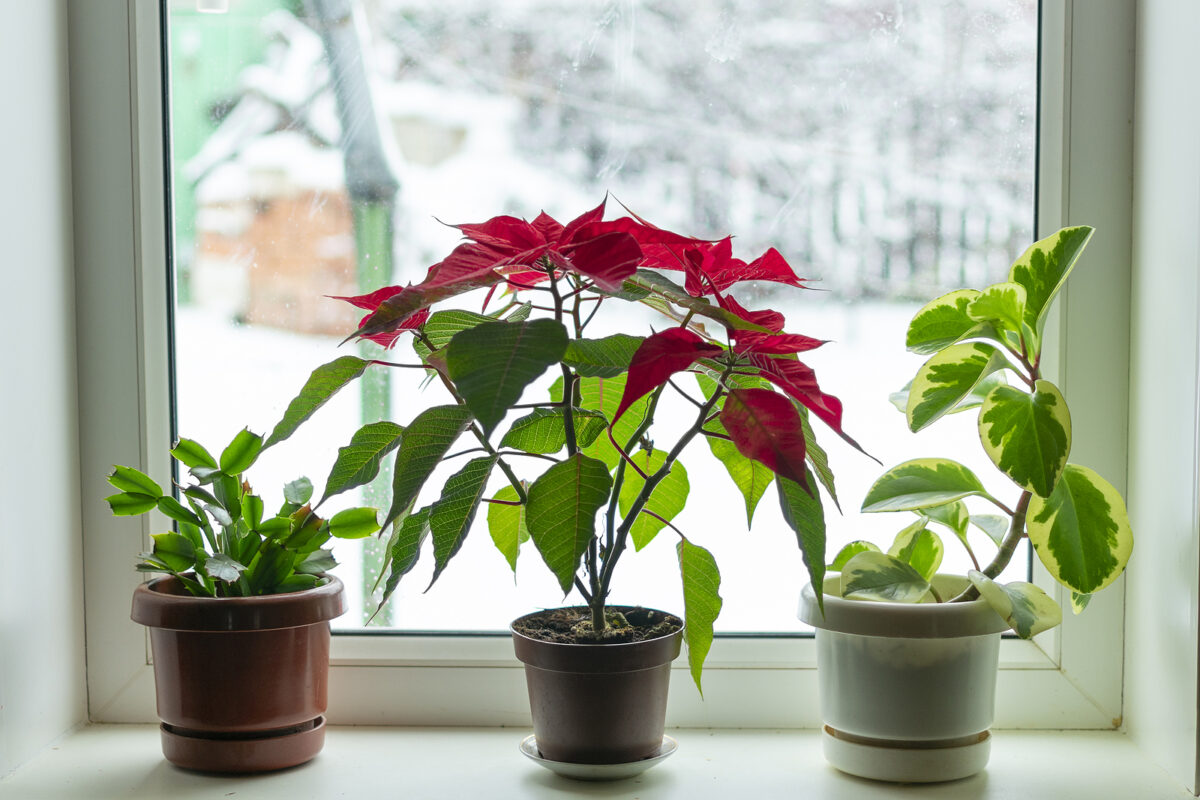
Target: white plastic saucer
(598,772)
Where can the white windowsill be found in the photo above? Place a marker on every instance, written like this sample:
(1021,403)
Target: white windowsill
(124,761)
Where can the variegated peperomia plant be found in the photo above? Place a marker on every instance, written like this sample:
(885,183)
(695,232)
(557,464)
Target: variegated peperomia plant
(589,448)
(1075,520)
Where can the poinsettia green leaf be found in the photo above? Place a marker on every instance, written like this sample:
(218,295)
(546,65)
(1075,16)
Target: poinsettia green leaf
(751,478)
(128,479)
(424,442)
(1081,531)
(994,525)
(604,395)
(850,551)
(405,550)
(805,515)
(921,483)
(492,363)
(882,577)
(1044,267)
(324,382)
(816,456)
(1002,303)
(441,326)
(701,602)
(1025,607)
(450,517)
(947,379)
(943,321)
(506,524)
(667,500)
(317,562)
(601,358)
(1027,436)
(562,512)
(545,431)
(920,548)
(664,287)
(358,463)
(191,453)
(354,523)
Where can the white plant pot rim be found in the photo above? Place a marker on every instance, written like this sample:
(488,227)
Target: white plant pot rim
(901,620)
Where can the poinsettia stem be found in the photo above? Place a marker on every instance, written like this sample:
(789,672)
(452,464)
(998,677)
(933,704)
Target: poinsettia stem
(685,395)
(619,477)
(622,536)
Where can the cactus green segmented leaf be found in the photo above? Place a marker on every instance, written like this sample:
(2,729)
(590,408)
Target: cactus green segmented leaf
(191,453)
(1081,531)
(701,602)
(562,512)
(1027,436)
(947,379)
(921,483)
(1044,267)
(128,479)
(492,363)
(1026,608)
(881,577)
(241,453)
(175,550)
(354,523)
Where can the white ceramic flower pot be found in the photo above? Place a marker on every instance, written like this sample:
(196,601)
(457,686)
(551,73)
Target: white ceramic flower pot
(907,691)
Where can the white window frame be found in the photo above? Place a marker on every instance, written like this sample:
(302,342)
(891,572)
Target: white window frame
(1068,678)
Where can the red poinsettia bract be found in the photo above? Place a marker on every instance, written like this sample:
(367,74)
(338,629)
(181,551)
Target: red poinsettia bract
(766,427)
(660,356)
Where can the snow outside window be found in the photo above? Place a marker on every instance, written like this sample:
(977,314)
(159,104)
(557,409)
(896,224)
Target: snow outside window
(887,149)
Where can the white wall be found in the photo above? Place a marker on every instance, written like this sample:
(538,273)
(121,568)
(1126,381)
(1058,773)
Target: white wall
(1161,658)
(42,692)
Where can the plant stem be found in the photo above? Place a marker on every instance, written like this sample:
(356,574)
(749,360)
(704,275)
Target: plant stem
(1015,532)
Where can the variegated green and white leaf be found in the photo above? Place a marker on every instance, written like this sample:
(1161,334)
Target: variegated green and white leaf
(947,379)
(1027,436)
(1079,602)
(850,551)
(1081,531)
(701,602)
(1025,607)
(667,499)
(921,483)
(941,322)
(1044,267)
(879,576)
(994,525)
(973,400)
(920,548)
(1001,303)
(953,515)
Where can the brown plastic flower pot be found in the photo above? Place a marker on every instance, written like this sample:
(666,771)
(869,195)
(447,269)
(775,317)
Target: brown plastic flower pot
(241,682)
(598,703)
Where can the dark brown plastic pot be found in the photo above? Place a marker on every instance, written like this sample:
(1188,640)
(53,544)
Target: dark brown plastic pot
(241,682)
(598,703)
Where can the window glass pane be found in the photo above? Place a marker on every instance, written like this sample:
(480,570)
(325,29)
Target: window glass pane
(885,148)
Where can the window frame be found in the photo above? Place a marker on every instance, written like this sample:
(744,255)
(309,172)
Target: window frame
(1069,678)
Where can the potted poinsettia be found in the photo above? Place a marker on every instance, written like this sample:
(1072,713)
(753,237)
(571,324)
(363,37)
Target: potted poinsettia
(906,656)
(597,673)
(239,624)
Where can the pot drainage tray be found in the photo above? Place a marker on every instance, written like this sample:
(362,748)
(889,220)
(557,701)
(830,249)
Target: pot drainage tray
(598,772)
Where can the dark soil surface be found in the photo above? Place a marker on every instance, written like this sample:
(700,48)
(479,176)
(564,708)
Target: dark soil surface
(573,625)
